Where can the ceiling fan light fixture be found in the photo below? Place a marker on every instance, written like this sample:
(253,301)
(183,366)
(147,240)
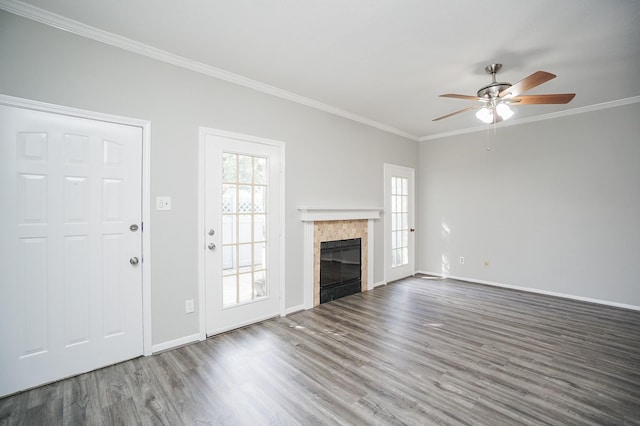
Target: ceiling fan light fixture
(504,111)
(485,115)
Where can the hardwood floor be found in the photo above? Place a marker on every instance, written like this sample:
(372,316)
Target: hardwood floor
(416,351)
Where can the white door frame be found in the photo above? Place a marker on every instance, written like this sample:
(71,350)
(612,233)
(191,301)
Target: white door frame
(146,197)
(203,132)
(388,173)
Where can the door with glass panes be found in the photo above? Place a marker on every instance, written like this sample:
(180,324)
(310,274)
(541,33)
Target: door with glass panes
(399,222)
(242,221)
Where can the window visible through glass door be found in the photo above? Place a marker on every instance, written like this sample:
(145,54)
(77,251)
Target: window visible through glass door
(244,228)
(399,221)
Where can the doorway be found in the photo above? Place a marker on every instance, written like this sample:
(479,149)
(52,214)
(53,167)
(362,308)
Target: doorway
(72,259)
(399,230)
(242,229)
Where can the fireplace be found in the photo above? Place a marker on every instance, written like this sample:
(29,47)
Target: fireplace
(331,224)
(340,268)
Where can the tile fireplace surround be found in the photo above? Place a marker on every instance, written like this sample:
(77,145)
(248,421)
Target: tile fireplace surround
(325,224)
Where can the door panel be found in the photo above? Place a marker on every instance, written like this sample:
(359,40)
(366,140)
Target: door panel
(72,299)
(242,219)
(399,222)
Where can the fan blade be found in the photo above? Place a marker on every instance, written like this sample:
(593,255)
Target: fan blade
(457,112)
(527,83)
(558,98)
(453,95)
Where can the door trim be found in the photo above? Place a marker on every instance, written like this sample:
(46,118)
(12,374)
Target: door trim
(145,125)
(203,132)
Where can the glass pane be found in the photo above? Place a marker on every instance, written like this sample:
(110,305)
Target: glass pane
(229,261)
(229,290)
(229,198)
(394,244)
(405,187)
(259,170)
(259,284)
(405,256)
(244,199)
(404,221)
(259,227)
(259,256)
(405,238)
(259,199)
(405,204)
(245,292)
(245,172)
(229,228)
(244,257)
(244,228)
(229,167)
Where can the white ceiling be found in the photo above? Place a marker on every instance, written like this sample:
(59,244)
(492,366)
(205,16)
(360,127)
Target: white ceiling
(388,60)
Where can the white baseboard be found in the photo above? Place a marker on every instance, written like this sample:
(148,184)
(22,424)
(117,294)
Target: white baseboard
(294,309)
(379,283)
(536,290)
(175,343)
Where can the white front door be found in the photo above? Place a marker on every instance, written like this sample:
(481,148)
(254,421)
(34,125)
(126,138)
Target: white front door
(71,282)
(242,219)
(399,237)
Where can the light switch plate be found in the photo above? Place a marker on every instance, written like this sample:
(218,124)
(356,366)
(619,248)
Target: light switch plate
(163,203)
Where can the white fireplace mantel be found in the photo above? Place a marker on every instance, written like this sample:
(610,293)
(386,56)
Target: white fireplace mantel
(313,214)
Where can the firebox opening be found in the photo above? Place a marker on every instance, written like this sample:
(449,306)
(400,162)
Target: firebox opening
(340,268)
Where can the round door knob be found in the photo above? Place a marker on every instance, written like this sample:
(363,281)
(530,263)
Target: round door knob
(211,246)
(134,261)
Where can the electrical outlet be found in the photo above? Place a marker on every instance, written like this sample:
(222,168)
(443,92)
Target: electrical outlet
(462,260)
(189,306)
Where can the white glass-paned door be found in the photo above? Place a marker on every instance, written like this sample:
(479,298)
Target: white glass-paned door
(399,222)
(242,273)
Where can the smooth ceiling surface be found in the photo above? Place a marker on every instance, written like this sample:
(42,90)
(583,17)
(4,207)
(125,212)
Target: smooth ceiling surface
(389,60)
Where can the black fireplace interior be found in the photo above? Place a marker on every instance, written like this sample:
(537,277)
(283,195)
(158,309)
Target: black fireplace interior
(340,268)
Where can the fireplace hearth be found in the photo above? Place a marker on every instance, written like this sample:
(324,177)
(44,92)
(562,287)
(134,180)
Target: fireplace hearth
(340,268)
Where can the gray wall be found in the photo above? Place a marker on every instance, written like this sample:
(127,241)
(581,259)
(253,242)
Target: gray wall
(49,65)
(554,205)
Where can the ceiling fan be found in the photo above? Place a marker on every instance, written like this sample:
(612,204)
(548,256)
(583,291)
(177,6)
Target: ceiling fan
(494,100)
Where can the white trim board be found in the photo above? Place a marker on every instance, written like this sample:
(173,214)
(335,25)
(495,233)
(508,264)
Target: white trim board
(172,344)
(57,21)
(146,191)
(534,290)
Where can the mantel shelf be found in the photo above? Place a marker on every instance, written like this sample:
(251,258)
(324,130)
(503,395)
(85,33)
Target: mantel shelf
(313,214)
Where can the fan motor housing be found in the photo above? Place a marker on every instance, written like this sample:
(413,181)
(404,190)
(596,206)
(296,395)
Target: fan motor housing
(492,90)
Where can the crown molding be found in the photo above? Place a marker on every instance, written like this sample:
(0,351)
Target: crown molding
(565,113)
(57,21)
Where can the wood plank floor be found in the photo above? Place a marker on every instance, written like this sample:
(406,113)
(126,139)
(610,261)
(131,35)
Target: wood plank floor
(417,351)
